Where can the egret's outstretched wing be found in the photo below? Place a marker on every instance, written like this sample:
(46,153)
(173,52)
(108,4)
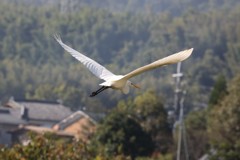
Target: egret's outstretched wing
(97,69)
(175,58)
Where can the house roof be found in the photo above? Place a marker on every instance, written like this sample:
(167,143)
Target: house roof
(8,117)
(79,124)
(40,110)
(74,118)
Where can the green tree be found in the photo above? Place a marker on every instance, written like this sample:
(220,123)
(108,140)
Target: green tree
(197,137)
(121,134)
(150,113)
(219,90)
(147,109)
(47,146)
(224,124)
(45,92)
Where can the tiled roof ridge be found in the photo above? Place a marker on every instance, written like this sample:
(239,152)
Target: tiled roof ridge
(72,118)
(37,101)
(15,102)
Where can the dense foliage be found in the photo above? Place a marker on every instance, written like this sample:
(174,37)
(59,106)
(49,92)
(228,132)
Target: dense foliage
(33,65)
(215,130)
(135,6)
(47,147)
(148,110)
(224,124)
(121,134)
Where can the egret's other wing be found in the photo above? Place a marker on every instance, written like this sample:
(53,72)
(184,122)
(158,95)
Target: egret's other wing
(97,69)
(175,58)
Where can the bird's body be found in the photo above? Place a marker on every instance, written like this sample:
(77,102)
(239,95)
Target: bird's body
(114,82)
(121,82)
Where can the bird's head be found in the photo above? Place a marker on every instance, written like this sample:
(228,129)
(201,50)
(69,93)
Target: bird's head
(129,84)
(134,85)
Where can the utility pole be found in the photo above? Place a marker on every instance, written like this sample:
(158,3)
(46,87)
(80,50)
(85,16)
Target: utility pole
(179,106)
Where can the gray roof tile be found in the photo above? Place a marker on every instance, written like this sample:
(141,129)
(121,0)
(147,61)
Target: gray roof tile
(41,110)
(7,117)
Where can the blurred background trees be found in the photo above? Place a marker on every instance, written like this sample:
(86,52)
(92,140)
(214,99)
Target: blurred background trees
(30,57)
(223,123)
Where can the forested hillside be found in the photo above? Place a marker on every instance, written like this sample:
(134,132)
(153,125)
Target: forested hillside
(34,66)
(174,7)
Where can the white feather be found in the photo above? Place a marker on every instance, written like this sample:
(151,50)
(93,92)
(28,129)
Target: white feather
(174,58)
(97,69)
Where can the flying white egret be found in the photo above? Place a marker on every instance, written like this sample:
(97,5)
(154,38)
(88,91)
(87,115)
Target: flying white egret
(120,82)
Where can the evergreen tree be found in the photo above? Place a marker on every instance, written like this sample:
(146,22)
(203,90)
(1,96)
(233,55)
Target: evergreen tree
(219,90)
(121,134)
(224,124)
